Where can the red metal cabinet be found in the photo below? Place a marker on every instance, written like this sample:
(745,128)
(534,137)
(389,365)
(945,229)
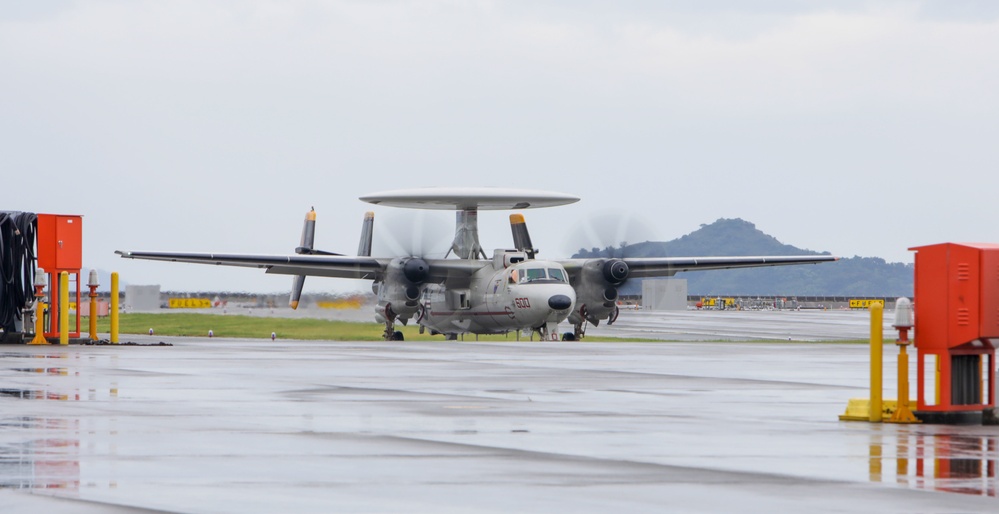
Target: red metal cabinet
(957,322)
(60,242)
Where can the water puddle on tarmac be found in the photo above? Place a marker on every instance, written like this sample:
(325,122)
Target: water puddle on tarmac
(938,461)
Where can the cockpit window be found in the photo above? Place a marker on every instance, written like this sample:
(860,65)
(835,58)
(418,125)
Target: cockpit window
(532,274)
(557,274)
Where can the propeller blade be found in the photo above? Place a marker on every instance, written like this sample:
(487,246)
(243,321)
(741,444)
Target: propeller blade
(304,247)
(607,234)
(367,232)
(521,237)
(412,234)
(296,290)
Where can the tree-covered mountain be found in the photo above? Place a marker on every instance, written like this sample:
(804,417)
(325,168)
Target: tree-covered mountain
(854,276)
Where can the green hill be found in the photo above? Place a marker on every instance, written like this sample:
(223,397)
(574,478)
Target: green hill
(854,276)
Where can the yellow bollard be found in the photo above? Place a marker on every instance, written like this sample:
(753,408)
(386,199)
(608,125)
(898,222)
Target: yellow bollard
(64,308)
(877,340)
(114,308)
(39,323)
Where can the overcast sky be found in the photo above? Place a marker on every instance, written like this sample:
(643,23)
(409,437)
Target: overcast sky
(853,127)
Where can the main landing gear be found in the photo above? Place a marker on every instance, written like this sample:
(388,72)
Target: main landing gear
(391,334)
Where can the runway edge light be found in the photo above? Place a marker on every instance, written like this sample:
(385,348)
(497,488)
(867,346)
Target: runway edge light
(93,283)
(903,323)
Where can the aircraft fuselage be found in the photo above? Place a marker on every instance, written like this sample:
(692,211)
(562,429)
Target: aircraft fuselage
(533,294)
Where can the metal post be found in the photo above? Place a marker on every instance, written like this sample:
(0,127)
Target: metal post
(903,322)
(64,308)
(114,308)
(903,414)
(39,308)
(92,284)
(877,340)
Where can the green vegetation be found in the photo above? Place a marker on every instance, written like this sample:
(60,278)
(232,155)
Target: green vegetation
(198,325)
(310,329)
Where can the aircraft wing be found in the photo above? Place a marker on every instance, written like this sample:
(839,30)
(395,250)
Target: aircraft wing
(645,267)
(339,266)
(322,265)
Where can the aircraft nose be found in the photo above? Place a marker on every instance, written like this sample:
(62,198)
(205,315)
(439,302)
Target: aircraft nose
(560,302)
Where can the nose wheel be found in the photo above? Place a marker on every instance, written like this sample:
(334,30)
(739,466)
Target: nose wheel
(549,332)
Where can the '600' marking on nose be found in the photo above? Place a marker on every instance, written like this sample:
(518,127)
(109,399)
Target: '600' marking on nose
(522,303)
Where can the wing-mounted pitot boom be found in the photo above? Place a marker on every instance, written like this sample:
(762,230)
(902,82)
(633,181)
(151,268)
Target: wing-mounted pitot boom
(521,237)
(305,247)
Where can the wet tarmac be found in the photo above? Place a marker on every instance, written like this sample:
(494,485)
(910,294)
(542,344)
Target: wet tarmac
(258,426)
(733,325)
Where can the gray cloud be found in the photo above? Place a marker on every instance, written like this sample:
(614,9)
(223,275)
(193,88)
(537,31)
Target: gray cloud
(858,127)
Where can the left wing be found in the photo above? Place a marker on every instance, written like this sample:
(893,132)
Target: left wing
(596,280)
(645,267)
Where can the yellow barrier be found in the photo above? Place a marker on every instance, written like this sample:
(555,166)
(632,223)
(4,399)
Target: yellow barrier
(190,303)
(348,303)
(865,304)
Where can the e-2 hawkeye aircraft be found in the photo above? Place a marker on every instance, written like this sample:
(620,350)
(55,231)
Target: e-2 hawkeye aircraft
(471,293)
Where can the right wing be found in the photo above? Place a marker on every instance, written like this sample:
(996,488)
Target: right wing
(319,265)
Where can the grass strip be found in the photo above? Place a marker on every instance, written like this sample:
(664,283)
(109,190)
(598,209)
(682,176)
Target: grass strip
(255,327)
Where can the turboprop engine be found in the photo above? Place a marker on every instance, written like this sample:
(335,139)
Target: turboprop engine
(596,290)
(399,293)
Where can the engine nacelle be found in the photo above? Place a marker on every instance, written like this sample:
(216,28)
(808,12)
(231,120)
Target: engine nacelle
(400,290)
(596,290)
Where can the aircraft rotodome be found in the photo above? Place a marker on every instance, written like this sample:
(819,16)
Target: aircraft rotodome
(472,293)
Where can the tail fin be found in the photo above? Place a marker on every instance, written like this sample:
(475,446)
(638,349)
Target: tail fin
(305,247)
(521,237)
(367,230)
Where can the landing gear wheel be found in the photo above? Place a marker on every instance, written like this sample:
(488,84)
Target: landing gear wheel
(568,336)
(397,336)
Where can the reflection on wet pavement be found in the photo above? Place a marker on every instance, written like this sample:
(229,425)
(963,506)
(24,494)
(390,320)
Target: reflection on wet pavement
(955,463)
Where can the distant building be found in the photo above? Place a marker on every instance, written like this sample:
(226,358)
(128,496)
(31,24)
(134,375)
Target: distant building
(664,294)
(142,298)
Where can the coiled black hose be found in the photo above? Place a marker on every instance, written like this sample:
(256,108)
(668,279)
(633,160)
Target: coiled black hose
(17,265)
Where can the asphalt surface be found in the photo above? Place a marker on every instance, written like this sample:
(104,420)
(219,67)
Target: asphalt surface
(250,426)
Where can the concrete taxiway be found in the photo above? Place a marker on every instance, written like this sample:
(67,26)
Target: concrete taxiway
(258,426)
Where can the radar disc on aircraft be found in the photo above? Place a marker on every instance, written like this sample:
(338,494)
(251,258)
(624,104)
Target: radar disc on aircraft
(469,198)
